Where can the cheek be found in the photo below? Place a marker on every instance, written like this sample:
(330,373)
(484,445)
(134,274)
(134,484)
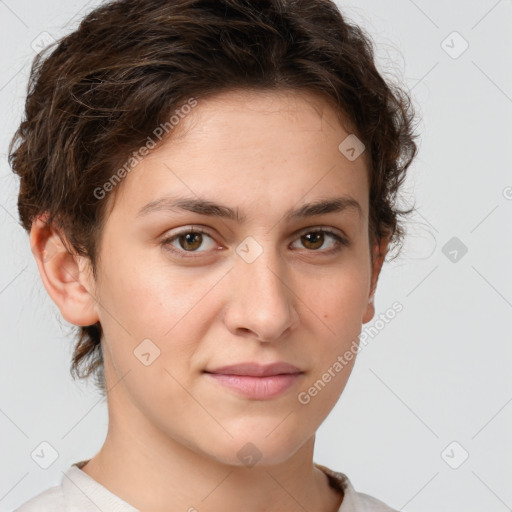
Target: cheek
(148,299)
(321,392)
(341,297)
(170,307)
(340,305)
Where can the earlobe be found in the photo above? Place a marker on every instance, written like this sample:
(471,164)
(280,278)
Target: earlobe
(379,254)
(65,275)
(370,311)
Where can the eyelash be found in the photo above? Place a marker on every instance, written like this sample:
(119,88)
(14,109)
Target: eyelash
(341,242)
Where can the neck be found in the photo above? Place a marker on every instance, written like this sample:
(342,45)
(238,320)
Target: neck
(137,457)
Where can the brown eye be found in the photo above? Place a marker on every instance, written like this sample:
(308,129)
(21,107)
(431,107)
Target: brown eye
(314,240)
(189,241)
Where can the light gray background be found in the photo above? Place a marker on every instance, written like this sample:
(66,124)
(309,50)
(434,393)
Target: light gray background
(438,373)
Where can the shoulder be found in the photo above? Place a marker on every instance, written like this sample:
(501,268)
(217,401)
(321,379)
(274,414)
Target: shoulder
(353,501)
(51,500)
(372,504)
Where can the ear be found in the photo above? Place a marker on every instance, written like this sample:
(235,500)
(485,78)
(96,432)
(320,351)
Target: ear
(379,253)
(66,276)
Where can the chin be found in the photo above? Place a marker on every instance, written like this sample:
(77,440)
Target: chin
(259,449)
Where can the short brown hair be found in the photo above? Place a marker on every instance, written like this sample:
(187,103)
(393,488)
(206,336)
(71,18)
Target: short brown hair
(101,91)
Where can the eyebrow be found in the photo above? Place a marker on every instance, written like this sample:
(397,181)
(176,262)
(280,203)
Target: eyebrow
(213,209)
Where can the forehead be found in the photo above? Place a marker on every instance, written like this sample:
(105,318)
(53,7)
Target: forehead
(256,112)
(251,146)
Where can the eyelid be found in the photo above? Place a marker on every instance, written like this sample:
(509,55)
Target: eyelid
(336,234)
(327,229)
(168,238)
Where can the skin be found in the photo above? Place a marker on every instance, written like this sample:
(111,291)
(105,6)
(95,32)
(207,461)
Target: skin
(171,429)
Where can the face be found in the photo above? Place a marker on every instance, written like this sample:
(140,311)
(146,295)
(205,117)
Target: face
(181,291)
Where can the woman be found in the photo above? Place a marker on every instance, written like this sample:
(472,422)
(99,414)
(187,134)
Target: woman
(209,188)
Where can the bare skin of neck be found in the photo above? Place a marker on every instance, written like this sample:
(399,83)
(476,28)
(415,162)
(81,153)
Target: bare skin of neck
(157,480)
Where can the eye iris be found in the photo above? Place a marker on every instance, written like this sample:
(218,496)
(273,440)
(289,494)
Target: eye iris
(189,237)
(318,237)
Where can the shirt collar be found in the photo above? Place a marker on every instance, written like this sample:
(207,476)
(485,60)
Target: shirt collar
(340,481)
(84,494)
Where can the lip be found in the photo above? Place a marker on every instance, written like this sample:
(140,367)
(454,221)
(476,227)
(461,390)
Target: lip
(257,370)
(257,388)
(257,381)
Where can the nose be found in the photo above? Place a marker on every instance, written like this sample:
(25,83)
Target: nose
(262,303)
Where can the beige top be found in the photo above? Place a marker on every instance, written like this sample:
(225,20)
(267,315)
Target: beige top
(78,492)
